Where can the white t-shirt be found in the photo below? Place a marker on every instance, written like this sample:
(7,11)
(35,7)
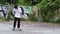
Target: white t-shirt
(17,12)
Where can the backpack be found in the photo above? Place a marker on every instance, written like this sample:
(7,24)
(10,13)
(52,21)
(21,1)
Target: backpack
(22,10)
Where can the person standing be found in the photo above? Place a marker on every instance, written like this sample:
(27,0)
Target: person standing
(17,16)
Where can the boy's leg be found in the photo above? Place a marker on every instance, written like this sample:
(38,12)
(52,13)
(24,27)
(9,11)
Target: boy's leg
(14,25)
(19,20)
(18,25)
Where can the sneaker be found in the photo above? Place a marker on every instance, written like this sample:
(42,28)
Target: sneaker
(13,29)
(19,29)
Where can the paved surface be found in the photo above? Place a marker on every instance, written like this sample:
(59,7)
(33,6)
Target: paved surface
(30,28)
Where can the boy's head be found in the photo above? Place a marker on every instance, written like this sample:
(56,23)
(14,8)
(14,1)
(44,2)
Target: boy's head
(16,7)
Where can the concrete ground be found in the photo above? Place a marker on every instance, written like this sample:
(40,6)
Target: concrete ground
(30,28)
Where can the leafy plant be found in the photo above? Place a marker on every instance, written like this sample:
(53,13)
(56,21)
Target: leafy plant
(32,17)
(48,9)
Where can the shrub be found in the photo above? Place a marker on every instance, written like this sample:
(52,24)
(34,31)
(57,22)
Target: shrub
(32,17)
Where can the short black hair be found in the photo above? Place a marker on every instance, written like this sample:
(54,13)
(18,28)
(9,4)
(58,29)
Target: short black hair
(16,7)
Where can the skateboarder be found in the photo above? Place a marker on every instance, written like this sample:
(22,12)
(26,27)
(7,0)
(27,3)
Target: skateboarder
(17,16)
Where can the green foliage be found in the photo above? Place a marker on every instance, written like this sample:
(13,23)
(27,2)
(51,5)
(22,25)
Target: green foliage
(28,2)
(21,2)
(58,21)
(32,17)
(48,9)
(3,1)
(9,15)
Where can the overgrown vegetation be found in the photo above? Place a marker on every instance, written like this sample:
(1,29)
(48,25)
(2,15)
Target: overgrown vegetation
(32,17)
(48,8)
